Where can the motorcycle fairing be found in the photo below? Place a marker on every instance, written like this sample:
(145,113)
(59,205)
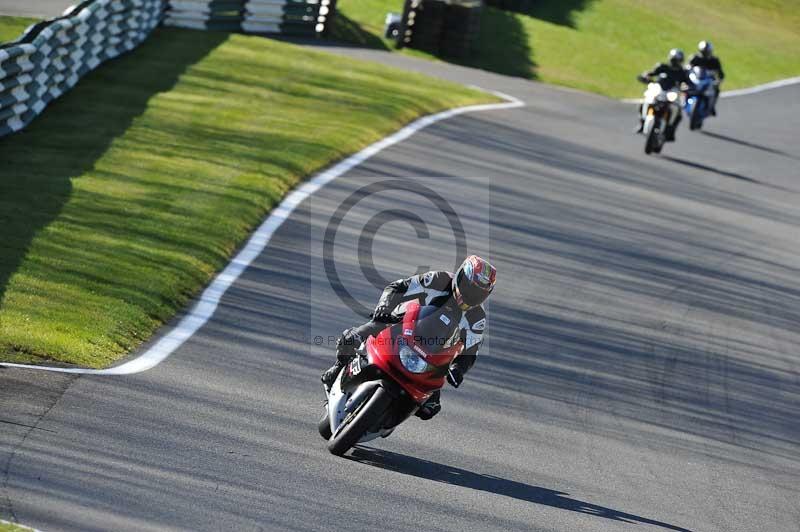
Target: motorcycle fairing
(383,351)
(354,383)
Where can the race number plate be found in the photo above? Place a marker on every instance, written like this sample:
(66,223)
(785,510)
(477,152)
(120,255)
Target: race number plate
(355,366)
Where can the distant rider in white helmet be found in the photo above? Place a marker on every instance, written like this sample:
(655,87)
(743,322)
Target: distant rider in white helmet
(705,58)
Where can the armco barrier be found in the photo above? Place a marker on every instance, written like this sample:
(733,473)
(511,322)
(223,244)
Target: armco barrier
(288,17)
(52,56)
(223,15)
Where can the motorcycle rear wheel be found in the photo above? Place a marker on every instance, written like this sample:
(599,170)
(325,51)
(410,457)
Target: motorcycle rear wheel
(354,426)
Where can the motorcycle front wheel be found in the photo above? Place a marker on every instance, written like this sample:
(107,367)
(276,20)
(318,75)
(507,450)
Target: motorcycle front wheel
(324,426)
(651,137)
(696,121)
(359,421)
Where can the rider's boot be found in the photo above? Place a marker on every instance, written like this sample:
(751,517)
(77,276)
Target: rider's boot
(430,408)
(346,346)
(640,127)
(329,376)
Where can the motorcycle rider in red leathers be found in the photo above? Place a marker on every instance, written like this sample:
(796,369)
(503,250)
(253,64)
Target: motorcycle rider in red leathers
(470,285)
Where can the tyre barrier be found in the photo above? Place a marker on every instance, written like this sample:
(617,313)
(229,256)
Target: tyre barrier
(222,15)
(517,6)
(287,17)
(441,27)
(461,32)
(52,56)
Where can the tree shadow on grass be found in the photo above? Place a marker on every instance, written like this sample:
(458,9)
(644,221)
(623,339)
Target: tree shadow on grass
(417,467)
(40,162)
(503,43)
(349,31)
(504,46)
(559,12)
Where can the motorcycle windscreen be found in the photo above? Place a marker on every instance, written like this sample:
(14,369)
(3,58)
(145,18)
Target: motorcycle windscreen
(437,332)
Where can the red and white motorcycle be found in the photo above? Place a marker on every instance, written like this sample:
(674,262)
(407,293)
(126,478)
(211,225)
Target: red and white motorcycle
(391,375)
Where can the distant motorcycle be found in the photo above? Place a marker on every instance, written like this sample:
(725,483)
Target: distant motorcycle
(391,375)
(661,103)
(699,97)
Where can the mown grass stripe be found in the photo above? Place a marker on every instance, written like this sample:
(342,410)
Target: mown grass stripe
(129,193)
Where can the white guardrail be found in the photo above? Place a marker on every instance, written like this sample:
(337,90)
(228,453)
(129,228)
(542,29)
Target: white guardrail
(52,56)
(292,17)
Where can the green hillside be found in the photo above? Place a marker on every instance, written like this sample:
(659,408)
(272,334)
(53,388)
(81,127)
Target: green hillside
(599,45)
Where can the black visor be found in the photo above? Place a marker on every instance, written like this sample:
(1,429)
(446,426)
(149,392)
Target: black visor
(471,294)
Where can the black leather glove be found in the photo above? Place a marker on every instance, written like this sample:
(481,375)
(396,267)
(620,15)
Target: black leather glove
(455,377)
(382,312)
(347,344)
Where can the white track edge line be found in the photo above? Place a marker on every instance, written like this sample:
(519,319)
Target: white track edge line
(761,88)
(209,300)
(742,92)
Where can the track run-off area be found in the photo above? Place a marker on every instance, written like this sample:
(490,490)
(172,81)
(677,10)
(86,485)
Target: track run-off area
(640,370)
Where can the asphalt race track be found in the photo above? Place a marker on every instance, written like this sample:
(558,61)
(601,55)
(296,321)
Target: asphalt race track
(640,372)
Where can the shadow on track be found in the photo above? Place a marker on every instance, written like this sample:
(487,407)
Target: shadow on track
(706,168)
(417,467)
(741,142)
(665,272)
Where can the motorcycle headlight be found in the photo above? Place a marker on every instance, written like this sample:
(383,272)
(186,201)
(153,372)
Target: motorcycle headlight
(412,361)
(672,96)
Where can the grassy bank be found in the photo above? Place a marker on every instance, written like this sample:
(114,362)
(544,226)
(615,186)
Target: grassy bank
(122,201)
(599,45)
(12,27)
(5,526)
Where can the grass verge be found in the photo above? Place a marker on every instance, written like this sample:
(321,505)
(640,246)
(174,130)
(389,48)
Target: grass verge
(125,197)
(600,45)
(5,526)
(12,27)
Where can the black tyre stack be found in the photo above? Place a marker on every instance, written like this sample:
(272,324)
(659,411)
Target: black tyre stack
(462,27)
(440,27)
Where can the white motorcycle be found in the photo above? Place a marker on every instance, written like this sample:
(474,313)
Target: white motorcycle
(661,111)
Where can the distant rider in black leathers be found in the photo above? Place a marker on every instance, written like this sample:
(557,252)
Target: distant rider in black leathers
(469,287)
(675,74)
(705,58)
